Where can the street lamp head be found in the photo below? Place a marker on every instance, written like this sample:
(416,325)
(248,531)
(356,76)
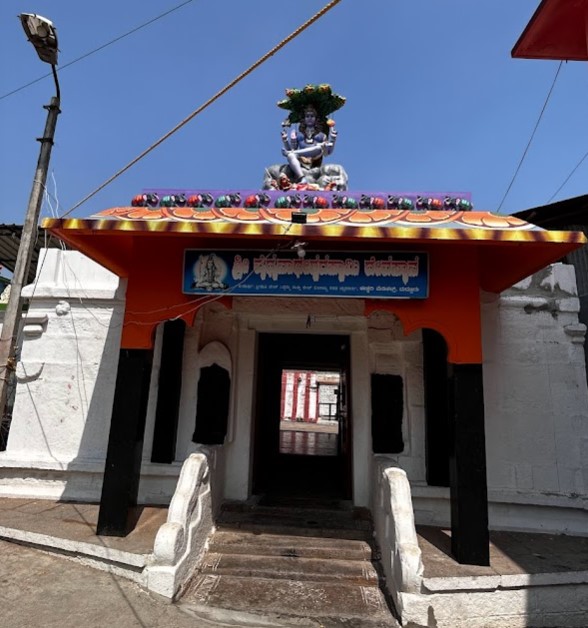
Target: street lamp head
(42,34)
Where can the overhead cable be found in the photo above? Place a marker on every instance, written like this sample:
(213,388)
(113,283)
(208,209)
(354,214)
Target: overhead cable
(531,138)
(91,52)
(568,177)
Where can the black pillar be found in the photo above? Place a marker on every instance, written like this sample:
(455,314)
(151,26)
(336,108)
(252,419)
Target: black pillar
(467,468)
(169,391)
(387,410)
(125,444)
(437,432)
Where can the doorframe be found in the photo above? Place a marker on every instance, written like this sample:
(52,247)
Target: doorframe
(238,453)
(265,446)
(360,404)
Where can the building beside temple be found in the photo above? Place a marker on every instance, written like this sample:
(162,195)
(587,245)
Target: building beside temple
(194,325)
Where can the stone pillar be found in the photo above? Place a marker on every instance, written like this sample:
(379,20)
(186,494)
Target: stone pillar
(467,466)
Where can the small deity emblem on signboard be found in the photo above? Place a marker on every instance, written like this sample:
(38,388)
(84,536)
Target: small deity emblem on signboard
(209,272)
(305,146)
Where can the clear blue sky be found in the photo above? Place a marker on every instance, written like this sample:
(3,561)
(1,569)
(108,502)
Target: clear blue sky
(434,100)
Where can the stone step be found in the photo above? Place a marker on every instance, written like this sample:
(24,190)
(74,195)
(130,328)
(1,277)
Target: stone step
(347,523)
(359,572)
(293,522)
(294,530)
(327,517)
(293,549)
(292,504)
(332,604)
(308,565)
(261,543)
(289,501)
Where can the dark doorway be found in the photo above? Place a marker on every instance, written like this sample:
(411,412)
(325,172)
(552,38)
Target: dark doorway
(302,428)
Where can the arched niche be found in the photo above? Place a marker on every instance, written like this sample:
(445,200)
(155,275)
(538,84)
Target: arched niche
(214,394)
(216,352)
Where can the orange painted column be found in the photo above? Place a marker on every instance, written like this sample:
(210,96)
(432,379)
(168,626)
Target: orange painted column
(453,305)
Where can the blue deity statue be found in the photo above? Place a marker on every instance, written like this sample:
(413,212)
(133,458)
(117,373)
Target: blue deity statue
(305,146)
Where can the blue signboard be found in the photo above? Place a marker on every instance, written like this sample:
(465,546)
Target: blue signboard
(390,275)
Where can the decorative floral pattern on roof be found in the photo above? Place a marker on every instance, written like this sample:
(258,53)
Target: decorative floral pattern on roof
(321,216)
(453,210)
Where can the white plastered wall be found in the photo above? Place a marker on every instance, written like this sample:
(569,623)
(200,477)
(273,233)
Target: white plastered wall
(536,412)
(65,380)
(536,403)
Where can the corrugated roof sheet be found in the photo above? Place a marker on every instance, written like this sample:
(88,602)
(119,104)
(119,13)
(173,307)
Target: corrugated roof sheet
(564,214)
(10,242)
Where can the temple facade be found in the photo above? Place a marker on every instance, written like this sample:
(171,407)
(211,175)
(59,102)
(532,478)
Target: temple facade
(306,340)
(513,337)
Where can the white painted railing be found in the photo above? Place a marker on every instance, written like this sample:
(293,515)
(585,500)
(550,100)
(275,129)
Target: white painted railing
(395,529)
(181,541)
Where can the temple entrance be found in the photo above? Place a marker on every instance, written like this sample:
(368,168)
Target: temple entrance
(302,428)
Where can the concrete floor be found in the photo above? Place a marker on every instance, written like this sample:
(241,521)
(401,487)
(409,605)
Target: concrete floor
(510,553)
(77,523)
(308,443)
(42,589)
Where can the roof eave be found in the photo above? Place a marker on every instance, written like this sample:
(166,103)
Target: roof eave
(556,31)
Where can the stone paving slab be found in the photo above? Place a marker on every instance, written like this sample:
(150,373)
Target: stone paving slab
(291,598)
(77,523)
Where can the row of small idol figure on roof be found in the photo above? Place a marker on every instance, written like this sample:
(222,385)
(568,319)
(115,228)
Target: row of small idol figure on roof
(317,201)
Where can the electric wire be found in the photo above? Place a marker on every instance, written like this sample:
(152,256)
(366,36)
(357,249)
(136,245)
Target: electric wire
(531,138)
(102,47)
(568,177)
(209,102)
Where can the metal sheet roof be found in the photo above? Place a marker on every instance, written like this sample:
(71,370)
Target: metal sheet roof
(565,214)
(10,242)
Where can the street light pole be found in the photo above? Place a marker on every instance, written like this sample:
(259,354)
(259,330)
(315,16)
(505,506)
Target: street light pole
(41,33)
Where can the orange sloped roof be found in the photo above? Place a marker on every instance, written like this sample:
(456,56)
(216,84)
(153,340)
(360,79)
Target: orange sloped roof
(509,248)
